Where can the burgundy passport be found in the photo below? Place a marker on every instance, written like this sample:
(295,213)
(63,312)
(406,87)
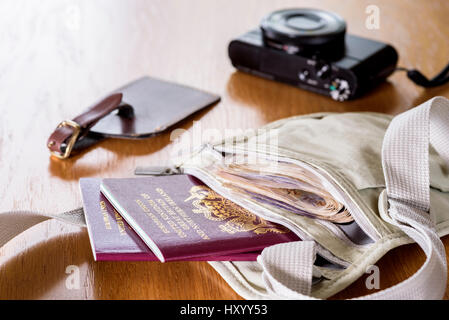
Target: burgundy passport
(112,239)
(180,218)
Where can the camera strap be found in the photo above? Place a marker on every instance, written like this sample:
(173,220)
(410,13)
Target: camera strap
(418,78)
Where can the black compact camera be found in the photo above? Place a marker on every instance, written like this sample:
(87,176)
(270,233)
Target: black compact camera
(310,49)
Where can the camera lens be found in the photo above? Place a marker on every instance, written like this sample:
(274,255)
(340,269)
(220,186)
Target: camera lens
(305,22)
(296,30)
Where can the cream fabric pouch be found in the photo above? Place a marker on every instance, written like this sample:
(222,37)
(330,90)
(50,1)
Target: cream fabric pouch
(381,177)
(392,175)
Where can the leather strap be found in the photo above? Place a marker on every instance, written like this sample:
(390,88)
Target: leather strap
(69,132)
(147,107)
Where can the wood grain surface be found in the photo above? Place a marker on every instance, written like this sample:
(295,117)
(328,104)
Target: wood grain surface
(57,57)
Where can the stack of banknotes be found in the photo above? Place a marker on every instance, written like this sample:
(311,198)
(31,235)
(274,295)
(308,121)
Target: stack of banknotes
(282,185)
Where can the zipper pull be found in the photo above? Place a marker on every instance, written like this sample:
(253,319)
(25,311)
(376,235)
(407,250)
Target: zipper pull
(158,170)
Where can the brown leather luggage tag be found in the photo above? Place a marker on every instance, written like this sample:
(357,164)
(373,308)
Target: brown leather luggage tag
(138,110)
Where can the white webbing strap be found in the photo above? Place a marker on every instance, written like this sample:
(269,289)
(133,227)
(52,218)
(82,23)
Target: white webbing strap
(14,223)
(405,160)
(295,272)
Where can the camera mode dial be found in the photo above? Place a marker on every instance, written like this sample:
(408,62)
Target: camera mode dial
(340,89)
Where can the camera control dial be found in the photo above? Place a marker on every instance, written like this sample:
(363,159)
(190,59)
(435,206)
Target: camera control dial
(340,89)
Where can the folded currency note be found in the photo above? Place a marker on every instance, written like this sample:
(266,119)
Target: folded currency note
(282,185)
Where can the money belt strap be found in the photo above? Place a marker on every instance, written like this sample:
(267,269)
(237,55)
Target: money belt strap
(288,267)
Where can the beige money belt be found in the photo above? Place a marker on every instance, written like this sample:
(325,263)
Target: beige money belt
(390,173)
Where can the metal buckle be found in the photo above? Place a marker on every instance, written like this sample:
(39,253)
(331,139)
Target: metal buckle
(69,146)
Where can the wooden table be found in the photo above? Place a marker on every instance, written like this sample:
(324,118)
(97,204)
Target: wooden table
(57,57)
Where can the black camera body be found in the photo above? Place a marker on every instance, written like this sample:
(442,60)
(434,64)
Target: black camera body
(307,49)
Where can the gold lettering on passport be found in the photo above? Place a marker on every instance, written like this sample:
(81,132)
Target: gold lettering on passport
(147,211)
(167,215)
(120,223)
(104,213)
(236,219)
(182,218)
